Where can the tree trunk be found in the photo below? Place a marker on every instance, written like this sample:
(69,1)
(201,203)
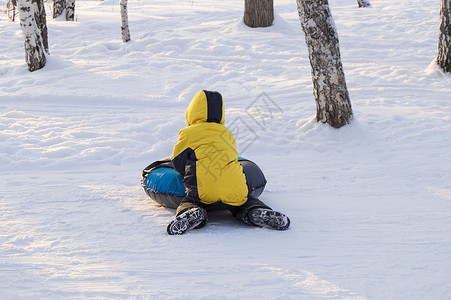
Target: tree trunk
(329,85)
(41,23)
(58,8)
(70,10)
(124,25)
(444,42)
(258,13)
(363,3)
(11,9)
(34,49)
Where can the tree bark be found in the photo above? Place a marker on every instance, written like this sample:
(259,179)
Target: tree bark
(363,3)
(41,22)
(124,24)
(444,42)
(34,49)
(258,13)
(333,105)
(11,9)
(58,8)
(70,10)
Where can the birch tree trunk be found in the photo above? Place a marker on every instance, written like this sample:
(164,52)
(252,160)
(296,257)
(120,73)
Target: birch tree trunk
(329,85)
(11,9)
(34,49)
(41,22)
(58,8)
(258,13)
(444,42)
(124,24)
(363,3)
(70,10)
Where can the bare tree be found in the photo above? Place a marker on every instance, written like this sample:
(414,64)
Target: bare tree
(124,25)
(11,9)
(58,8)
(258,13)
(34,29)
(70,10)
(41,23)
(363,3)
(329,85)
(444,42)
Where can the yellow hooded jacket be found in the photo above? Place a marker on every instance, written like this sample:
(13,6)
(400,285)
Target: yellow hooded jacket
(206,154)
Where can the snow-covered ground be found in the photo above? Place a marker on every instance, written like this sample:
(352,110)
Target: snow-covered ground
(370,203)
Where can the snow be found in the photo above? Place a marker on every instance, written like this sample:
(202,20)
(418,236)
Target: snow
(370,203)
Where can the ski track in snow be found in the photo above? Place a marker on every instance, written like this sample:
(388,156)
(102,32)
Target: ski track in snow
(370,203)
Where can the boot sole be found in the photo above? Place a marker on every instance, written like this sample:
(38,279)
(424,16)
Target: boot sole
(269,219)
(186,221)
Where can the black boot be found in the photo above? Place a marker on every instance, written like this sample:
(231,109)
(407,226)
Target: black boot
(195,217)
(268,218)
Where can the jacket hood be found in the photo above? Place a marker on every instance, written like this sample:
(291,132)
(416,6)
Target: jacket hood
(206,106)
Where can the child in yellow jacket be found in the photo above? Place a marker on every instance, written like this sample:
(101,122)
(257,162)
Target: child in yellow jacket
(206,157)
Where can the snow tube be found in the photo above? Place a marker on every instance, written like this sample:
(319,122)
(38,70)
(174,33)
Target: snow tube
(164,185)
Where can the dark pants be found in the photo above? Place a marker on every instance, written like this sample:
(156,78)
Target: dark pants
(239,212)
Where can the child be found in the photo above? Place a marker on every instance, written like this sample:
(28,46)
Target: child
(206,157)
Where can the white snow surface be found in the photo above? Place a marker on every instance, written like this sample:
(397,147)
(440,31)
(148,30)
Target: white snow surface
(370,203)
